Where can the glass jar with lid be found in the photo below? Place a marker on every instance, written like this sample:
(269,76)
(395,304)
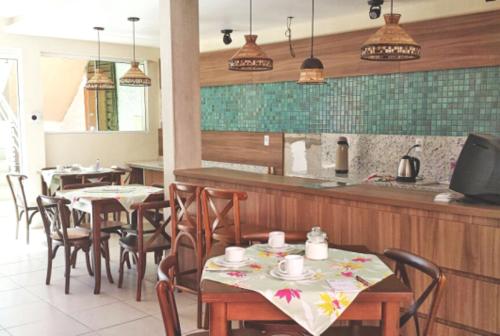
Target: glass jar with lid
(317,244)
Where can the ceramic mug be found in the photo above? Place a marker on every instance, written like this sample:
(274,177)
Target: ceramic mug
(276,239)
(234,254)
(292,265)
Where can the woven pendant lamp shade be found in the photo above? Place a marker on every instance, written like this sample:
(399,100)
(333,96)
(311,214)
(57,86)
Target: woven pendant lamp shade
(99,80)
(390,43)
(135,77)
(311,72)
(250,57)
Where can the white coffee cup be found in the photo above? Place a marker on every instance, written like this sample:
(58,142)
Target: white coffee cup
(276,239)
(292,265)
(59,168)
(234,254)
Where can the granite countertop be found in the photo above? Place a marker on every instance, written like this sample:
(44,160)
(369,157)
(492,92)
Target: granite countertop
(147,165)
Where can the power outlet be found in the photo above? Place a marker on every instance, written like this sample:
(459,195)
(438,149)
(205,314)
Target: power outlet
(266,140)
(420,142)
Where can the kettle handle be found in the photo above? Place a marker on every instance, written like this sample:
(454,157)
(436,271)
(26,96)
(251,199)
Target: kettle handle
(417,166)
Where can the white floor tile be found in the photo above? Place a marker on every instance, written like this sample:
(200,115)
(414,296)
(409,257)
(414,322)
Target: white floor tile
(63,326)
(4,333)
(144,326)
(26,313)
(107,316)
(8,284)
(16,297)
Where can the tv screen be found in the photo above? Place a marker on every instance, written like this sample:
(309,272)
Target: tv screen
(477,173)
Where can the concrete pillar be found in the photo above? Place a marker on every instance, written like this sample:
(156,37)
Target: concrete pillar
(179,48)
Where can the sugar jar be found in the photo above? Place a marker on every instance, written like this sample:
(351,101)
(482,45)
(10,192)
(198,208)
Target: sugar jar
(316,244)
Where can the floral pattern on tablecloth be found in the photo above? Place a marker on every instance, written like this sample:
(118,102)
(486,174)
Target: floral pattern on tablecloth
(313,303)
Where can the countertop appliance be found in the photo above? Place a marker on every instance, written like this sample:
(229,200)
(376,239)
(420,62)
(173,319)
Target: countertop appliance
(477,172)
(409,167)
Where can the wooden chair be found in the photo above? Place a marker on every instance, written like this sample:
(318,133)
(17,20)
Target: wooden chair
(56,221)
(186,223)
(138,245)
(23,208)
(217,206)
(166,298)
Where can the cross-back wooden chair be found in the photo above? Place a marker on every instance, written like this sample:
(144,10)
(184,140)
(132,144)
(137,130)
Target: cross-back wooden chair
(56,221)
(186,224)
(24,210)
(168,307)
(222,218)
(140,244)
(434,291)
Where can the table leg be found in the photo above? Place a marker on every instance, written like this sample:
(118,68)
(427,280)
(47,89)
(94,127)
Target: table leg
(96,246)
(390,319)
(218,319)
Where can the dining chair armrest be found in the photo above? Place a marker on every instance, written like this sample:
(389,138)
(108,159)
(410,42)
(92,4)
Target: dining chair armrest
(150,205)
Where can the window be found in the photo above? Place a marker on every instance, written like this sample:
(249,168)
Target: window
(68,107)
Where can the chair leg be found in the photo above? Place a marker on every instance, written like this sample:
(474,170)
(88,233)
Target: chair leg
(67,271)
(141,270)
(49,264)
(87,261)
(27,228)
(19,216)
(73,257)
(105,250)
(120,271)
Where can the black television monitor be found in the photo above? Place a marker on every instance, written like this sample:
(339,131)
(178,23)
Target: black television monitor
(477,172)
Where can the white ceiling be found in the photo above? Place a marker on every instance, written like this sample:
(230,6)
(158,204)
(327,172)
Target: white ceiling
(74,19)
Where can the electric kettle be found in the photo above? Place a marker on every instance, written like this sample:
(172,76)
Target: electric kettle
(409,167)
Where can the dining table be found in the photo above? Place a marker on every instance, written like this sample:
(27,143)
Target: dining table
(378,302)
(54,179)
(107,199)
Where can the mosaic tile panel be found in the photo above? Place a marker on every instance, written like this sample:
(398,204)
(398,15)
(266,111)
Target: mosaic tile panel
(447,103)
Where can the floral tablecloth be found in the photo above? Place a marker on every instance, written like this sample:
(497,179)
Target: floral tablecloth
(52,177)
(316,303)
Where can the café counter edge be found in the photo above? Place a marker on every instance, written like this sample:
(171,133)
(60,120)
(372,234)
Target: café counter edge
(464,239)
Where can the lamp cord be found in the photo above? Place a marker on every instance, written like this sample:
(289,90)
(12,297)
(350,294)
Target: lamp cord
(98,62)
(312,30)
(392,6)
(250,17)
(133,38)
(288,34)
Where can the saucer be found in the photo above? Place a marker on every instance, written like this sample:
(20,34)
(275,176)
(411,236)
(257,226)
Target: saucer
(282,249)
(306,275)
(221,261)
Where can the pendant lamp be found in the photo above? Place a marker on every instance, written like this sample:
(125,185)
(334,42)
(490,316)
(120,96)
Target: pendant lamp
(99,81)
(391,42)
(250,57)
(311,71)
(134,76)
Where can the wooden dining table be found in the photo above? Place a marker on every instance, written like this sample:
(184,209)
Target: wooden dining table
(380,302)
(96,205)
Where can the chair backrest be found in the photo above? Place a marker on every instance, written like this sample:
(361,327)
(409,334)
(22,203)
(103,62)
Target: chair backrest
(166,298)
(80,179)
(217,205)
(55,216)
(16,185)
(186,198)
(406,259)
(150,211)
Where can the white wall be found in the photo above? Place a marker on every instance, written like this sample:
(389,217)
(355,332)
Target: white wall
(40,149)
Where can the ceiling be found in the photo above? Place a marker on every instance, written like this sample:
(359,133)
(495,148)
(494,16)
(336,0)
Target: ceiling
(74,19)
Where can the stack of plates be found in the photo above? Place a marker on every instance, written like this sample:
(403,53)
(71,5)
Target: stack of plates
(221,261)
(278,274)
(287,248)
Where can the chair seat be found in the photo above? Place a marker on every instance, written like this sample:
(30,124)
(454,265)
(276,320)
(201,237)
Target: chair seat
(247,232)
(158,243)
(73,234)
(353,331)
(112,225)
(236,332)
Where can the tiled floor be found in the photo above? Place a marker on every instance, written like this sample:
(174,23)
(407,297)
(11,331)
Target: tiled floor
(29,307)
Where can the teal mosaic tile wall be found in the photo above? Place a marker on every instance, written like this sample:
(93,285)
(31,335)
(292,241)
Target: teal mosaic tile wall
(450,102)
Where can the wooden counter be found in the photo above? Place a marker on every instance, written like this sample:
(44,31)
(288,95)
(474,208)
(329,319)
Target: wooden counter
(464,239)
(147,172)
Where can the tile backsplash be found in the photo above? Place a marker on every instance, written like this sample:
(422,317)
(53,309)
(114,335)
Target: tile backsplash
(433,103)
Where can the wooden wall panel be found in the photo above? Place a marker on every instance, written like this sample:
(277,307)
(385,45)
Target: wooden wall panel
(447,43)
(244,148)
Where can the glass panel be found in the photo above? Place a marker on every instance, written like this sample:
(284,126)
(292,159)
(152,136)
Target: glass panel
(68,107)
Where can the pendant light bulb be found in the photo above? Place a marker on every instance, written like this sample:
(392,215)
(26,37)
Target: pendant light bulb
(134,76)
(250,57)
(312,70)
(99,81)
(391,42)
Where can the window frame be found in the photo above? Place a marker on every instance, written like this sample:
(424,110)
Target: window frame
(144,62)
